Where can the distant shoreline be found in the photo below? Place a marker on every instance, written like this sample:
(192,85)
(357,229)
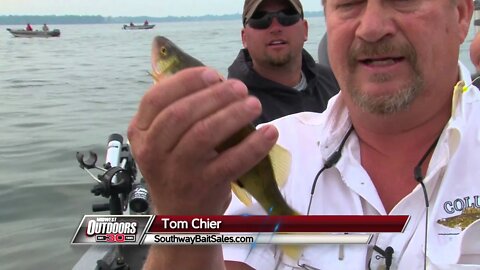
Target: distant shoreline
(77,19)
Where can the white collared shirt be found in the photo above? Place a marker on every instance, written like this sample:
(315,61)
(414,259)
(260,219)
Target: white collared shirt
(452,182)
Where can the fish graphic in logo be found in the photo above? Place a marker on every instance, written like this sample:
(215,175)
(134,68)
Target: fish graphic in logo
(462,221)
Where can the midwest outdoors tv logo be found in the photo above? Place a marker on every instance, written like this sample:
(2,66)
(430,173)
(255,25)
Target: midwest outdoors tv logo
(110,229)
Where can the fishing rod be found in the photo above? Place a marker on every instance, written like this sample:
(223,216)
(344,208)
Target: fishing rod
(118,179)
(117,182)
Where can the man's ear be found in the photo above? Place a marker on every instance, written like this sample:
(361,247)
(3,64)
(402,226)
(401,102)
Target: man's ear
(244,39)
(305,25)
(465,12)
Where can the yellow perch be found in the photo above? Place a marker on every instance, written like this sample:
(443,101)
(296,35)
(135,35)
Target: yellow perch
(261,181)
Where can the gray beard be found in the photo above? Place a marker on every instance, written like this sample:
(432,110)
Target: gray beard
(387,104)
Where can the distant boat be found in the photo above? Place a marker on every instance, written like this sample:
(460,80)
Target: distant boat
(138,27)
(36,33)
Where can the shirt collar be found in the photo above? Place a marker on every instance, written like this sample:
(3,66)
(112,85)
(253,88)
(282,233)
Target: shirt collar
(464,93)
(337,121)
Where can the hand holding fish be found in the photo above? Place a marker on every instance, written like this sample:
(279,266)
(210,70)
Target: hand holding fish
(180,122)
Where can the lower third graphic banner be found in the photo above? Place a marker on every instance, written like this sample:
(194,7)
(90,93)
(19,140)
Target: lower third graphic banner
(204,230)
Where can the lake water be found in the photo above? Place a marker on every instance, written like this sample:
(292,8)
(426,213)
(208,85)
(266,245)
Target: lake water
(67,94)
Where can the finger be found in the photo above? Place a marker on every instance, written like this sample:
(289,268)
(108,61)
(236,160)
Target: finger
(139,149)
(239,159)
(172,123)
(171,89)
(207,134)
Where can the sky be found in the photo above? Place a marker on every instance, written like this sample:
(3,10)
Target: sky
(114,8)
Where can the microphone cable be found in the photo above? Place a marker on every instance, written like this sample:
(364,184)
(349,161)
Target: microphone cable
(417,174)
(330,162)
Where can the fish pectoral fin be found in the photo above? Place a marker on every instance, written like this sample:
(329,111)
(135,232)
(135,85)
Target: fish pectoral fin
(241,194)
(281,161)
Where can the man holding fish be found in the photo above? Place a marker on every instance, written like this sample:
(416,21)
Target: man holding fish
(401,138)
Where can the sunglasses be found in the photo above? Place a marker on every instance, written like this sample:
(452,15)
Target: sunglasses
(263,19)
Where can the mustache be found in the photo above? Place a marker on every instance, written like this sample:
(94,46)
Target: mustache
(381,48)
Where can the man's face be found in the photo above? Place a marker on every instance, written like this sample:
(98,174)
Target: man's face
(386,53)
(276,45)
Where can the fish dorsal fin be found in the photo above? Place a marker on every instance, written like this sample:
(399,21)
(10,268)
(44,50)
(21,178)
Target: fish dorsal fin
(281,161)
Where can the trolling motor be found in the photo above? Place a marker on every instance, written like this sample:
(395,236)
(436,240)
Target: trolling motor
(117,183)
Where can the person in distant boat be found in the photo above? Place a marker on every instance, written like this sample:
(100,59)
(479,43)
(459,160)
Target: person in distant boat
(29,27)
(145,23)
(131,24)
(45,28)
(274,65)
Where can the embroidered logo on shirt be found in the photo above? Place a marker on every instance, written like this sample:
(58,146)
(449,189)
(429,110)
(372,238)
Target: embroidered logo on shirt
(462,221)
(459,204)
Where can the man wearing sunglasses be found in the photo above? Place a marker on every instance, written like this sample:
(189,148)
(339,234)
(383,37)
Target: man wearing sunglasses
(274,65)
(405,123)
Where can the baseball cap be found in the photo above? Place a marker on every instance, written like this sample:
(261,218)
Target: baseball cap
(250,6)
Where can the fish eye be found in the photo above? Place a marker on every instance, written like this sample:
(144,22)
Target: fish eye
(163,51)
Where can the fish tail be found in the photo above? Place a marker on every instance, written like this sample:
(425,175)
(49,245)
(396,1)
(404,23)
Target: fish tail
(292,251)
